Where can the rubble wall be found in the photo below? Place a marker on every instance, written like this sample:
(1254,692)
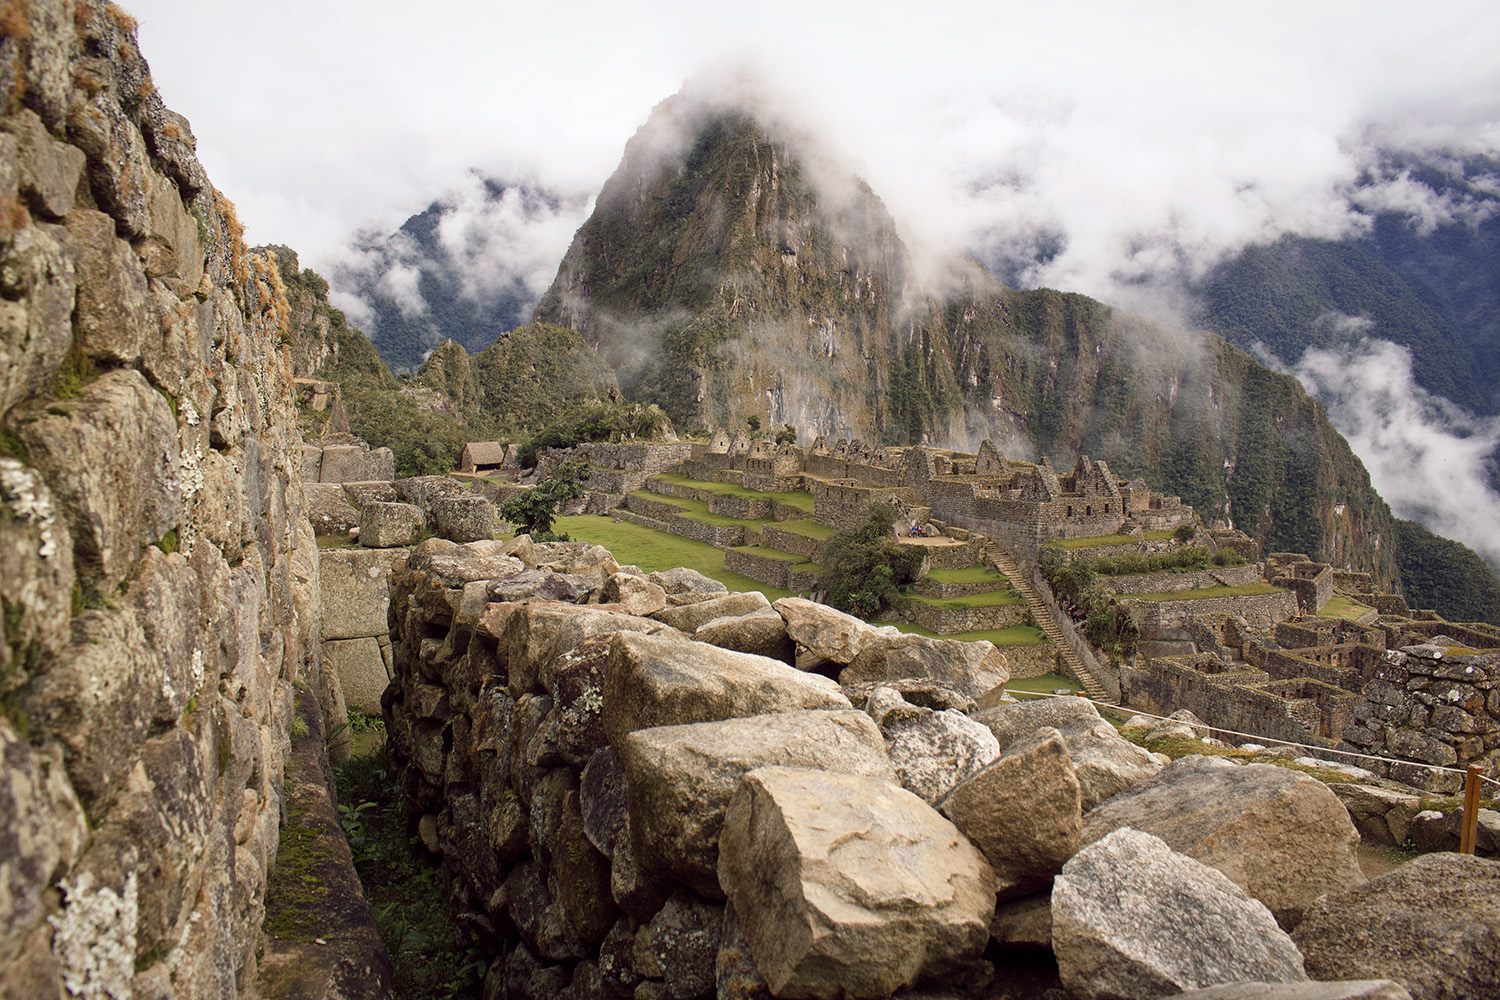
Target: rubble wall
(160,582)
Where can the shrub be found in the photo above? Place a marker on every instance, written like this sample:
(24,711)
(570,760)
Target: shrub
(865,567)
(532,512)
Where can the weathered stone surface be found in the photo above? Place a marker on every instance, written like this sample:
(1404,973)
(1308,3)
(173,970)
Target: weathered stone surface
(119,166)
(344,463)
(637,891)
(453,565)
(575,680)
(830,634)
(668,680)
(735,973)
(603,801)
(36,574)
(683,940)
(537,634)
(1104,761)
(165,596)
(330,511)
(582,874)
(421,490)
(110,458)
(1378,813)
(931,751)
(44,832)
(847,885)
(1023,811)
(688,617)
(542,585)
(971,668)
(761,632)
(114,313)
(1357,989)
(360,670)
(682,580)
(97,699)
(1432,925)
(380,465)
(37,286)
(580,558)
(1279,835)
(638,595)
(49,170)
(1024,924)
(389,525)
(356,591)
(1132,918)
(460,518)
(361,495)
(922,693)
(680,779)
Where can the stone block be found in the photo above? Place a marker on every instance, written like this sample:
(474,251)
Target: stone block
(328,510)
(356,591)
(380,465)
(312,463)
(390,525)
(49,170)
(343,463)
(36,310)
(360,669)
(462,518)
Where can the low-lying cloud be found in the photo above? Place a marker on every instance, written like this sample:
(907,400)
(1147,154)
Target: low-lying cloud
(1429,458)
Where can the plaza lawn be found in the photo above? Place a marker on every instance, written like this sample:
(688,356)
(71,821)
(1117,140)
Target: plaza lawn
(969,574)
(1340,606)
(802,501)
(654,550)
(1046,684)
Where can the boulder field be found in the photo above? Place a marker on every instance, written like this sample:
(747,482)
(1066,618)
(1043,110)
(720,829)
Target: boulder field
(631,804)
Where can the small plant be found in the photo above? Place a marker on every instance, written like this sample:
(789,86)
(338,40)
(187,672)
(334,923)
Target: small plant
(753,422)
(787,434)
(299,728)
(534,511)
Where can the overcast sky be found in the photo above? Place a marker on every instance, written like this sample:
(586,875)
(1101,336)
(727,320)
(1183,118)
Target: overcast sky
(1140,130)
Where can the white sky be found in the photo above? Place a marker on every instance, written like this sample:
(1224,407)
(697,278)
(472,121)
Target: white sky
(1213,123)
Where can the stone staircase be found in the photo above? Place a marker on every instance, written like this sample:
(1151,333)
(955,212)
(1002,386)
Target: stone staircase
(1042,615)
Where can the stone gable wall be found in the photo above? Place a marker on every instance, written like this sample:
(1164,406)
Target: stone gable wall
(1261,610)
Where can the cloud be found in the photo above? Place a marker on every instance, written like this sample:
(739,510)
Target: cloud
(1426,456)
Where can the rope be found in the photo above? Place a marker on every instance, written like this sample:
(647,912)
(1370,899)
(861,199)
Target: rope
(1253,736)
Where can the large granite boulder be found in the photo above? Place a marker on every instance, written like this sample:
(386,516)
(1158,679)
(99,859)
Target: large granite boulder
(762,632)
(462,518)
(635,594)
(1353,989)
(1280,835)
(1432,925)
(931,751)
(1133,918)
(449,564)
(668,680)
(329,510)
(1104,761)
(680,778)
(537,634)
(827,633)
(390,525)
(688,617)
(542,585)
(1023,811)
(356,591)
(681,580)
(973,668)
(850,886)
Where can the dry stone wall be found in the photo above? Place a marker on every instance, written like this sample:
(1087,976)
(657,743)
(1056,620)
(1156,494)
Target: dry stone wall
(160,578)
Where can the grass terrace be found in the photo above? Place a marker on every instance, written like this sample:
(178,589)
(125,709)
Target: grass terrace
(1105,541)
(1043,685)
(988,599)
(653,550)
(802,501)
(1248,590)
(1342,607)
(765,553)
(969,574)
(809,527)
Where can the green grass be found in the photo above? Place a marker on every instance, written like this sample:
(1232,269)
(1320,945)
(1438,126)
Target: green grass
(1096,542)
(969,574)
(1341,607)
(1248,590)
(764,553)
(1158,536)
(697,510)
(1016,635)
(988,599)
(655,550)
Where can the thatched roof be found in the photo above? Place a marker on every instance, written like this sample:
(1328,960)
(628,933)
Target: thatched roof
(477,453)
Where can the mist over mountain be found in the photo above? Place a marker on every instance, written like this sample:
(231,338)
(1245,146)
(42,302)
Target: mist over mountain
(467,268)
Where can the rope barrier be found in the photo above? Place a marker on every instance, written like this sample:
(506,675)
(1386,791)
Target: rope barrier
(1306,746)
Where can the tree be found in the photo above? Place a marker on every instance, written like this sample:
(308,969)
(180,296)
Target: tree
(753,422)
(865,567)
(532,512)
(787,434)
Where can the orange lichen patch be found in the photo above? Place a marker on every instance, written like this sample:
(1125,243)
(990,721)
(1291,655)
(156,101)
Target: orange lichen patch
(13,215)
(15,19)
(122,20)
(171,131)
(234,232)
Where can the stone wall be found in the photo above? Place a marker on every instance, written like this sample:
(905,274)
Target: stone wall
(1426,707)
(1229,701)
(794,542)
(842,506)
(947,621)
(764,569)
(160,575)
(356,639)
(1032,661)
(1260,610)
(1162,583)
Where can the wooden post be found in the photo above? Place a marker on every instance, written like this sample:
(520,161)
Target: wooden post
(1471,811)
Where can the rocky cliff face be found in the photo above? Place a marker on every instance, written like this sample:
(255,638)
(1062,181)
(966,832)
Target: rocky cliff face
(723,277)
(158,574)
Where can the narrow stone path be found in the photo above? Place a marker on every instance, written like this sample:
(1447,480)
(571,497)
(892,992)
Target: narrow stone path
(1042,615)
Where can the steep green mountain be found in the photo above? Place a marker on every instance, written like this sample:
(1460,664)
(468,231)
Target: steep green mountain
(724,280)
(464,269)
(1439,573)
(1431,284)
